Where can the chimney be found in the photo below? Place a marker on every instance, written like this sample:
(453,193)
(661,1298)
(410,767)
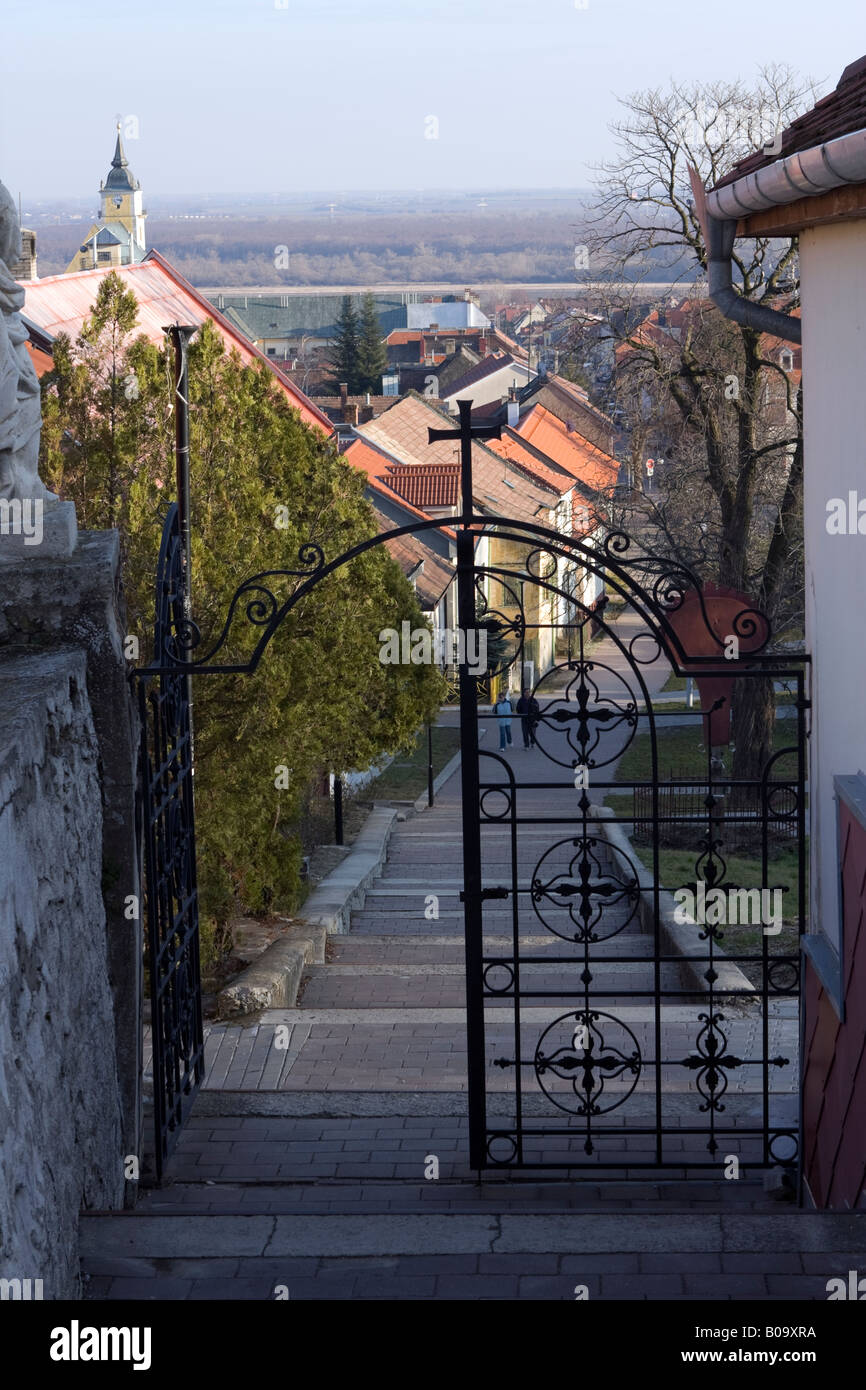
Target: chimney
(350,413)
(366,412)
(434,328)
(344,393)
(512,414)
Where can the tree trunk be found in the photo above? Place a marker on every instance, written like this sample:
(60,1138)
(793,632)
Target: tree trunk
(753,717)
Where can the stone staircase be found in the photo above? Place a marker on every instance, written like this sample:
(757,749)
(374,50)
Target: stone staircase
(310,1173)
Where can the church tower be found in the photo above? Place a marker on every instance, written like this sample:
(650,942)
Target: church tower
(118,237)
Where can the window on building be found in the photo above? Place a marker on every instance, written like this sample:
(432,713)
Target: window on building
(271,352)
(103,256)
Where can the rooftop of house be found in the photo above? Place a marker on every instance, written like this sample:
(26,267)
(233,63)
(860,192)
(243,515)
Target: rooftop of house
(430,572)
(544,469)
(426,485)
(568,392)
(500,342)
(333,405)
(378,466)
(402,433)
(61,303)
(588,465)
(479,371)
(401,336)
(839,113)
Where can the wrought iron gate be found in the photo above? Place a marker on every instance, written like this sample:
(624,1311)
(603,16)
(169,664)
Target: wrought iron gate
(171,891)
(601,1032)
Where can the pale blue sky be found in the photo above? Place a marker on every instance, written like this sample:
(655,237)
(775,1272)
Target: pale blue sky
(309,95)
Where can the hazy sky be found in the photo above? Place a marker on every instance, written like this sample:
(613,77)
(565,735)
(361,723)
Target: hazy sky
(309,95)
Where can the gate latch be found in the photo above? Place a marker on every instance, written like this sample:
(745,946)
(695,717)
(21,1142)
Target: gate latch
(488,893)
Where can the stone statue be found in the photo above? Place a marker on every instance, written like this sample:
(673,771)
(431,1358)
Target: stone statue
(20,407)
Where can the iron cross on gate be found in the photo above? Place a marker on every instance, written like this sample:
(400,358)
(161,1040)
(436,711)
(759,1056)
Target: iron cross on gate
(466,433)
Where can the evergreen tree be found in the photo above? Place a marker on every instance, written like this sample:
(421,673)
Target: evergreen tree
(372,355)
(344,356)
(262,485)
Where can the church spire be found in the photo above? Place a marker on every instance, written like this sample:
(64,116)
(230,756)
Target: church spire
(120,176)
(119,161)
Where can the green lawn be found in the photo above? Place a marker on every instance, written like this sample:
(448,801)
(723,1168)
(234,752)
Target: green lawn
(682,749)
(406,777)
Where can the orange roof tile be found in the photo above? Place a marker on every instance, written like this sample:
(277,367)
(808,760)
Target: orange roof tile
(426,485)
(510,448)
(589,465)
(41,360)
(378,469)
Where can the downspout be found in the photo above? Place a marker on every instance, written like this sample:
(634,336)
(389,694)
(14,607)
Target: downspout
(719,235)
(720,246)
(806,174)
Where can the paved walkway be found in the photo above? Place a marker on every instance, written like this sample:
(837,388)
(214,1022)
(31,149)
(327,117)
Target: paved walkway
(352,1106)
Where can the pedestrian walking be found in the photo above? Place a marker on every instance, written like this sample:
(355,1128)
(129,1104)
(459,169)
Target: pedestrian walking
(529,709)
(503,710)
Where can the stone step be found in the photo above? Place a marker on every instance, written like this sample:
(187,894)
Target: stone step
(444,986)
(496,1253)
(394,950)
(230,1149)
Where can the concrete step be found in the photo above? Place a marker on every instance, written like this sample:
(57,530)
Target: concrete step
(395,950)
(497,1253)
(444,986)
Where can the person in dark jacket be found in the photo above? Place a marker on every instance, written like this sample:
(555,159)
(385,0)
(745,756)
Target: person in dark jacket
(529,709)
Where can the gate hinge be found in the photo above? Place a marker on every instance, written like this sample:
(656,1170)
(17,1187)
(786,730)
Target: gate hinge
(488,893)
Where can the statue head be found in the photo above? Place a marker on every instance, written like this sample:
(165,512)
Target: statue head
(10,228)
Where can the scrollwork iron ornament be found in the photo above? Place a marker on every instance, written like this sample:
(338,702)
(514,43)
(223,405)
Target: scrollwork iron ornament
(585,716)
(578,883)
(712,1062)
(587,1050)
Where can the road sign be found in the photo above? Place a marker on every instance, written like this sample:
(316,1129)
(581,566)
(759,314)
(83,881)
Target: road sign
(650,466)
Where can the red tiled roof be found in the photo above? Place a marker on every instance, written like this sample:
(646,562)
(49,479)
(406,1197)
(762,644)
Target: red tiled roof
(589,465)
(501,340)
(401,432)
(377,467)
(41,360)
(512,449)
(426,484)
(61,303)
(839,113)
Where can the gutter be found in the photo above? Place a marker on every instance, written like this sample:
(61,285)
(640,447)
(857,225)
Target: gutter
(719,236)
(801,175)
(805,174)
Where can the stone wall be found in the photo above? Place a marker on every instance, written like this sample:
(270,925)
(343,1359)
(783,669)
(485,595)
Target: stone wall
(61,1126)
(76,602)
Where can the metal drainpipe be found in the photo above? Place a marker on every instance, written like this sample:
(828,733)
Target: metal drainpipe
(720,246)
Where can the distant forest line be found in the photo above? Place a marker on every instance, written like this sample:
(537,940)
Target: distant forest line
(473,248)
